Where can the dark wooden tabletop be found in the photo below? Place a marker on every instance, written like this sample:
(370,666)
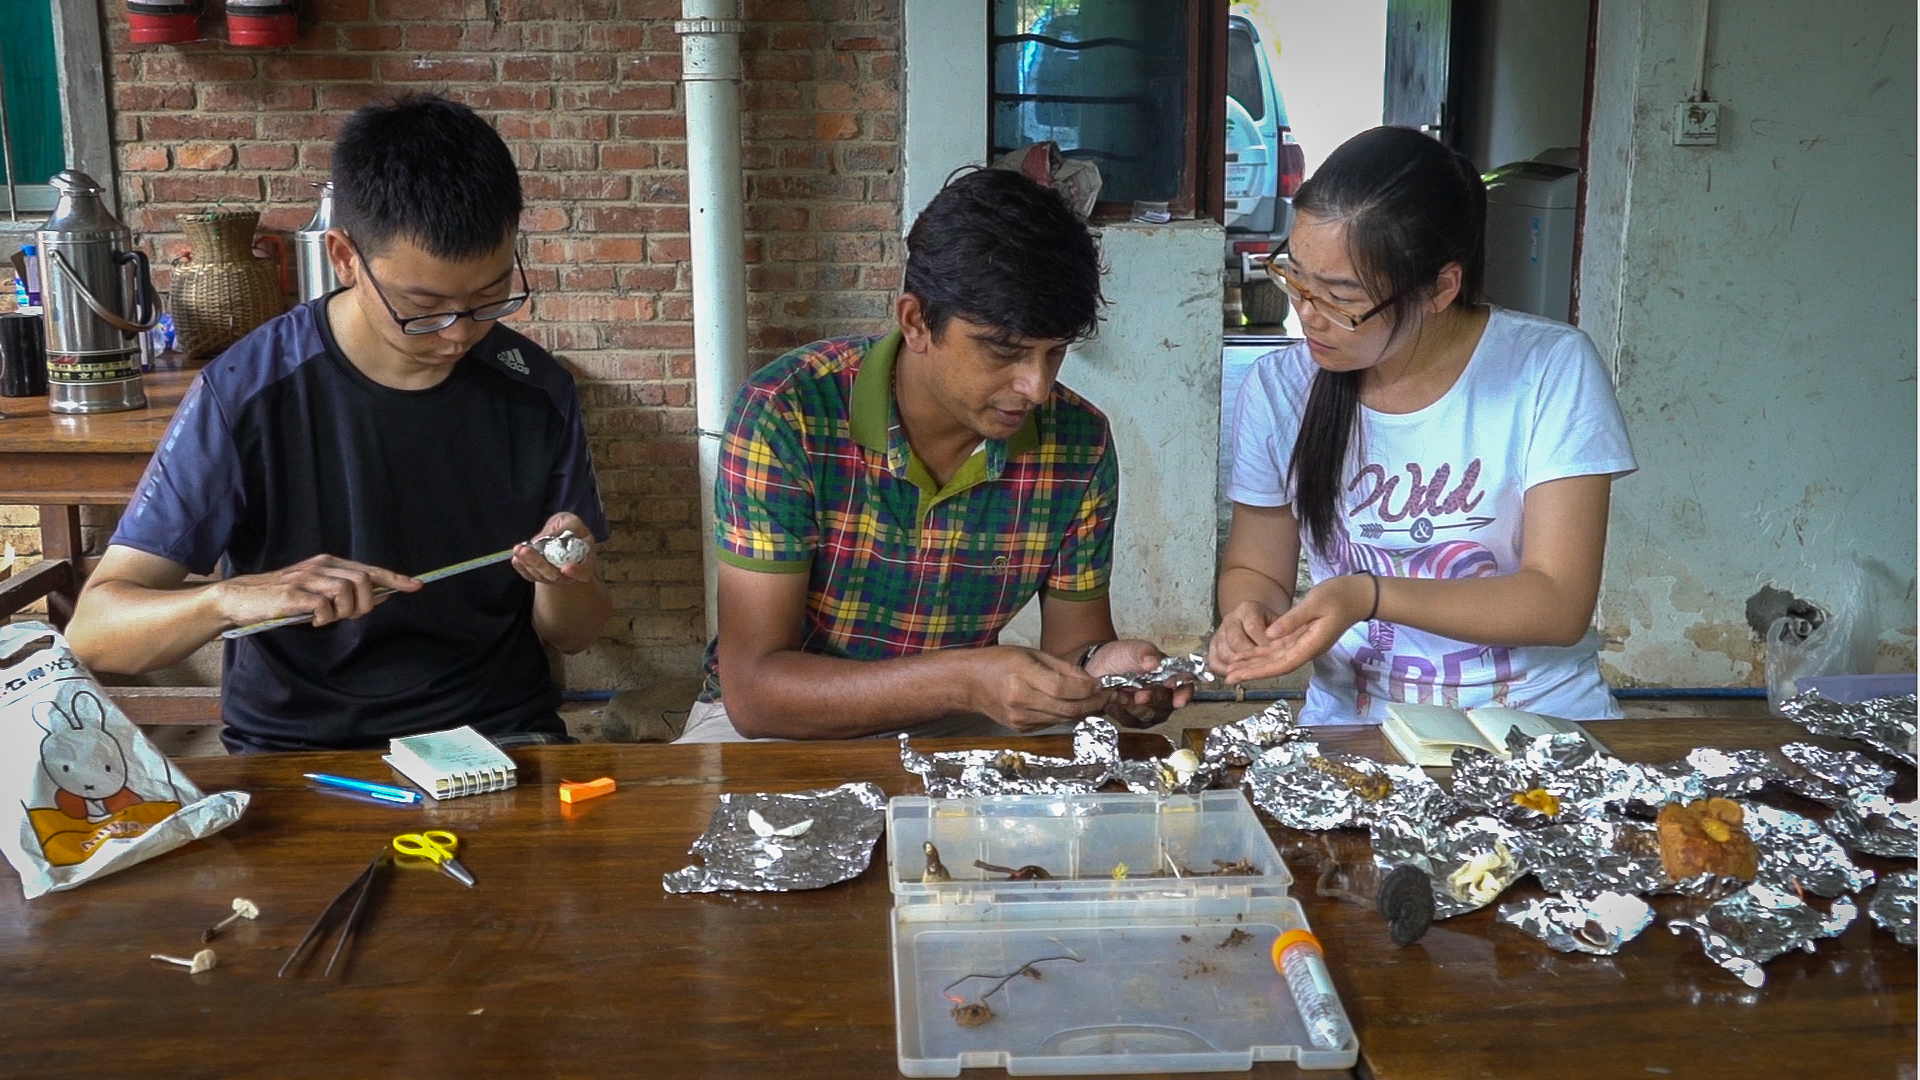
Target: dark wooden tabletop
(29,428)
(570,960)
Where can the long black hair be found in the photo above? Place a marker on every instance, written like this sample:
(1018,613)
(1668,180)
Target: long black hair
(1411,206)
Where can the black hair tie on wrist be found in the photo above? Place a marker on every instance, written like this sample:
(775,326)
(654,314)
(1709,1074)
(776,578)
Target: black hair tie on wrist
(1375,610)
(1087,657)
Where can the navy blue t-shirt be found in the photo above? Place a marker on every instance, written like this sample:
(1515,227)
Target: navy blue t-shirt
(283,450)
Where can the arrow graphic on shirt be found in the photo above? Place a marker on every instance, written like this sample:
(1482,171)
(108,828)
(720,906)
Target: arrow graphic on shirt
(1422,529)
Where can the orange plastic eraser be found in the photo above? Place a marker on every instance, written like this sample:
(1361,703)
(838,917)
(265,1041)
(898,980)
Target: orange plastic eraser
(591,789)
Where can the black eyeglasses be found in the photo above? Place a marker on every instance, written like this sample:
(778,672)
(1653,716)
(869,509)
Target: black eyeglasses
(416,325)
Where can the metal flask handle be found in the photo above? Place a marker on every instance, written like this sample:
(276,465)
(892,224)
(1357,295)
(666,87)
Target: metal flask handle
(143,301)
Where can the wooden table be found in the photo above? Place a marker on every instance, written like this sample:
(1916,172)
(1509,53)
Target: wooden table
(570,960)
(61,463)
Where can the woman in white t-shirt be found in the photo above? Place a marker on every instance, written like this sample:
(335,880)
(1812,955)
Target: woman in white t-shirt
(1411,444)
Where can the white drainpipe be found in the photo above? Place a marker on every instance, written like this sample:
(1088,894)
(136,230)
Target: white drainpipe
(716,202)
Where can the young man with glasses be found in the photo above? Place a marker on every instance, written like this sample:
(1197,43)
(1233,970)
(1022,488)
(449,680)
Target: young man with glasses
(390,428)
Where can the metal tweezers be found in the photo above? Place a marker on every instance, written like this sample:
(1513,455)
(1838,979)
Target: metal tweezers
(357,895)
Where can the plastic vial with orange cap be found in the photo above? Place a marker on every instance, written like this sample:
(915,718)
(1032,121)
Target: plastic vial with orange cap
(1298,956)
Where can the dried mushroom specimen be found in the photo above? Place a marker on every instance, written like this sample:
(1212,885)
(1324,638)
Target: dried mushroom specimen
(1370,786)
(1706,836)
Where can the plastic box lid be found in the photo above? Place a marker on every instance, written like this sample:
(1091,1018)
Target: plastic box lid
(1099,846)
(1150,985)
(1853,688)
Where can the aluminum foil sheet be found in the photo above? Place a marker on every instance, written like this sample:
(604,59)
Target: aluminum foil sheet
(1703,773)
(1830,776)
(1470,861)
(1796,850)
(1595,855)
(1886,724)
(837,846)
(1893,905)
(1182,772)
(1568,923)
(1564,766)
(959,774)
(1240,742)
(1173,672)
(1759,923)
(1873,823)
(562,549)
(1302,789)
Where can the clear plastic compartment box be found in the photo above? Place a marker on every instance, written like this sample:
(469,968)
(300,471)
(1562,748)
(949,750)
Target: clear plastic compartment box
(1173,968)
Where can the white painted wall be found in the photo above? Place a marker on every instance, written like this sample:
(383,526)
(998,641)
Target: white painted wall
(1154,368)
(945,46)
(1757,301)
(1533,79)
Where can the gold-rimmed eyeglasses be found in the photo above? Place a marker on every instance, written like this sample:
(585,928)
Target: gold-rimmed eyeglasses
(1338,316)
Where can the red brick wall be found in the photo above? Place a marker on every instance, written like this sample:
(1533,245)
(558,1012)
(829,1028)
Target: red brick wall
(586,93)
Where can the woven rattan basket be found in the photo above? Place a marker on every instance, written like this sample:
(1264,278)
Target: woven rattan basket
(224,291)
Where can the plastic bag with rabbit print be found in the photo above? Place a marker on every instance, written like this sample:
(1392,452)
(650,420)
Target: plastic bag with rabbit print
(87,792)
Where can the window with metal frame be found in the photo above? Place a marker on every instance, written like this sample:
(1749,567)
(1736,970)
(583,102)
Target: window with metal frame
(32,149)
(1128,84)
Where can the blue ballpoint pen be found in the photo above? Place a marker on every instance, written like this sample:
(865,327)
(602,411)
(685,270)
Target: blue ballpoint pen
(366,787)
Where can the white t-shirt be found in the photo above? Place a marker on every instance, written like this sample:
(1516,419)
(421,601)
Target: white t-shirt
(1438,494)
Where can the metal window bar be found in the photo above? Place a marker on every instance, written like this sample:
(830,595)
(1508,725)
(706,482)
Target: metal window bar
(6,147)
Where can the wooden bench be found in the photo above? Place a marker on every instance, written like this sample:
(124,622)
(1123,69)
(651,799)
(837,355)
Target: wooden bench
(168,704)
(57,581)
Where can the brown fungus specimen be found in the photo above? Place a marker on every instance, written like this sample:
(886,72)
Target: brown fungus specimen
(1370,786)
(974,1013)
(936,871)
(1022,873)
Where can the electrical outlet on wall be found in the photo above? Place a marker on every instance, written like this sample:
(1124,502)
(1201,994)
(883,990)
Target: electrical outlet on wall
(1696,123)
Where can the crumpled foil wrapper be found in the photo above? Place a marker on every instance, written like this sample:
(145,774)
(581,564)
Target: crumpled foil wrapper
(1759,923)
(1886,724)
(847,820)
(1795,849)
(1873,823)
(1565,765)
(1568,923)
(1155,776)
(959,774)
(1441,849)
(1830,776)
(1302,789)
(1240,742)
(1893,905)
(1173,672)
(562,549)
(1587,856)
(1702,774)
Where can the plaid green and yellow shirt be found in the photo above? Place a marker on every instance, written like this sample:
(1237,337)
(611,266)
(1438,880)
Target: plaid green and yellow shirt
(817,478)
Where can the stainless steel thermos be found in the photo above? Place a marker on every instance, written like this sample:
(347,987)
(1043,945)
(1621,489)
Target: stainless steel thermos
(310,250)
(98,299)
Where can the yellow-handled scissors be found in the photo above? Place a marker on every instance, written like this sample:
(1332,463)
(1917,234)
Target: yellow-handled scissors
(437,847)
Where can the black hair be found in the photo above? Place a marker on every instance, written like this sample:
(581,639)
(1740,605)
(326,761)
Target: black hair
(1411,206)
(426,170)
(996,248)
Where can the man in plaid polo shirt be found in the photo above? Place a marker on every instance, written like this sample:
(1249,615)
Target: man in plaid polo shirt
(886,505)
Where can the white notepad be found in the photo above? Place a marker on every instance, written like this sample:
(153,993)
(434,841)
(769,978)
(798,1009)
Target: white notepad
(450,764)
(1429,734)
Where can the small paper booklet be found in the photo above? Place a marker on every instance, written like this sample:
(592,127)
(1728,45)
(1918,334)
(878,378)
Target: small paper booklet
(450,764)
(1429,734)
